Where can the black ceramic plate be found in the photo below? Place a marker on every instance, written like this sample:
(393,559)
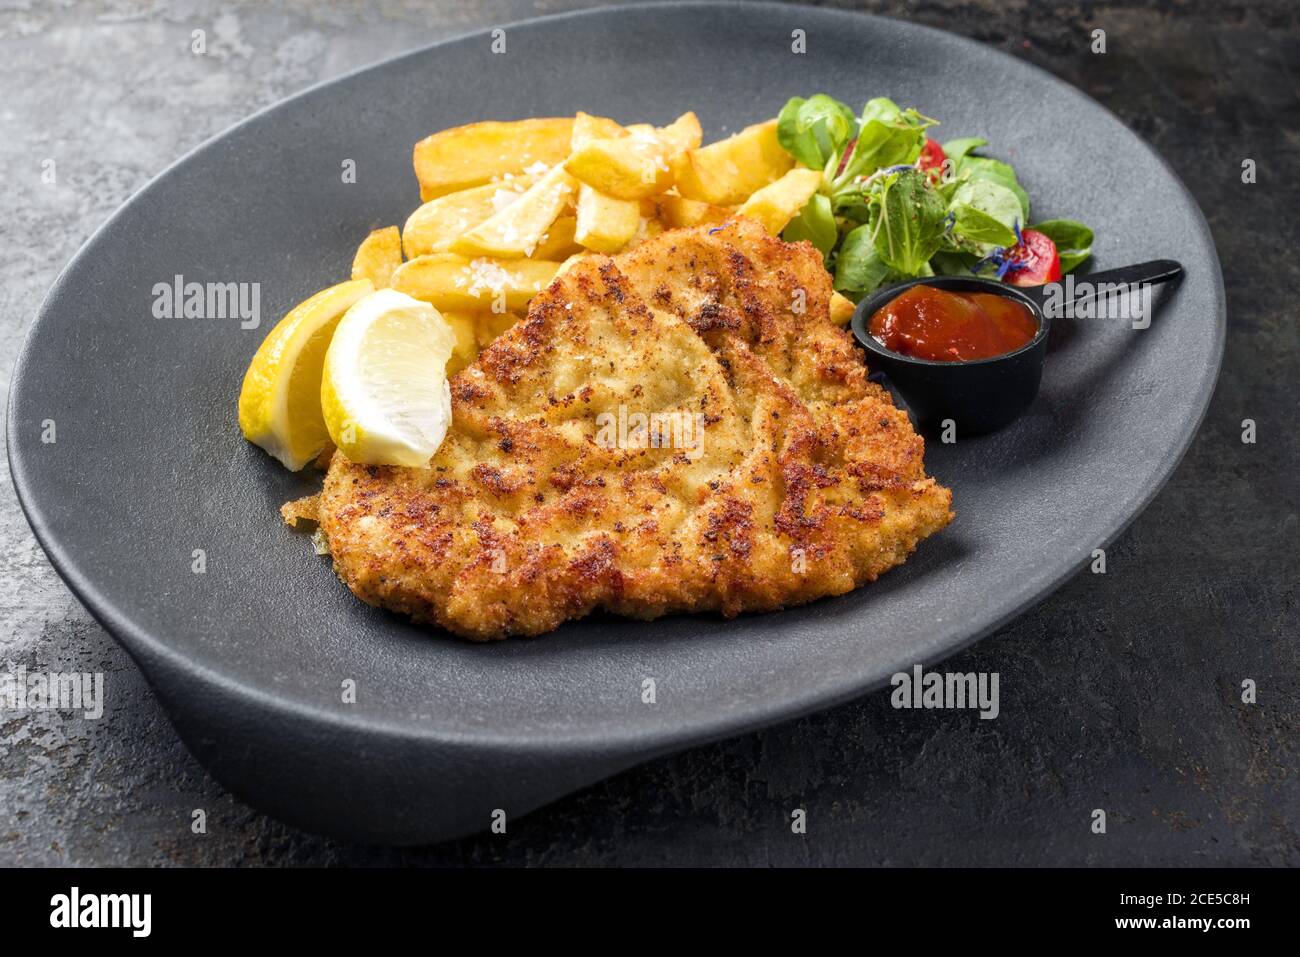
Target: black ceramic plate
(250,656)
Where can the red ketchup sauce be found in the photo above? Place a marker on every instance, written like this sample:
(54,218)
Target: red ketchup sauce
(947,326)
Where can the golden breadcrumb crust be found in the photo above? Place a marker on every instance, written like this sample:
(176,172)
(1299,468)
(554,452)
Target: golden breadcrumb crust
(545,501)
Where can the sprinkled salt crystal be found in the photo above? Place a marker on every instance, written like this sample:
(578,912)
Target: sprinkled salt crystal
(486,275)
(503,198)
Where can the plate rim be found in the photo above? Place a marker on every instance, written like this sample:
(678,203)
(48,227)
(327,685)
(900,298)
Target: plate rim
(148,650)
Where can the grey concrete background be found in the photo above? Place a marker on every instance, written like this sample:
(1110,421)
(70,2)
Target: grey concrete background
(1122,691)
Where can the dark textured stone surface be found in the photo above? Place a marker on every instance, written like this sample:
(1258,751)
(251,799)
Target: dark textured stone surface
(1121,691)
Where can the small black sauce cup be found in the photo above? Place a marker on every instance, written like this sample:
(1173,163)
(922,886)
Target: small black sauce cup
(982,395)
(979,395)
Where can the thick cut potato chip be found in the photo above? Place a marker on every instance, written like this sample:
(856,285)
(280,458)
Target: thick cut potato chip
(517,230)
(471,155)
(434,226)
(604,223)
(474,332)
(678,212)
(636,165)
(466,349)
(730,171)
(842,308)
(587,127)
(489,325)
(777,203)
(454,282)
(558,244)
(378,255)
(647,227)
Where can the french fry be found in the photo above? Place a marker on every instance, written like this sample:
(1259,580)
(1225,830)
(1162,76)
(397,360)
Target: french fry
(467,156)
(435,225)
(517,230)
(777,203)
(466,348)
(587,127)
(459,284)
(475,331)
(647,227)
(378,255)
(636,165)
(558,244)
(842,308)
(488,326)
(729,171)
(604,223)
(678,211)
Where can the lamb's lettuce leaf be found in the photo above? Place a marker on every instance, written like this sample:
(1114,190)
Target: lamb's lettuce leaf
(858,267)
(911,223)
(816,130)
(887,136)
(986,213)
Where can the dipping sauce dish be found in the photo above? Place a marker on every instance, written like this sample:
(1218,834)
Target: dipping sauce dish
(970,349)
(978,395)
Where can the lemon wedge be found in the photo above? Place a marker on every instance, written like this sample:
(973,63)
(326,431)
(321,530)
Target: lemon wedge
(279,403)
(384,391)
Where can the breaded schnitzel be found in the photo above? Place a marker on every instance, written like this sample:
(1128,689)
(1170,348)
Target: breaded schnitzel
(675,428)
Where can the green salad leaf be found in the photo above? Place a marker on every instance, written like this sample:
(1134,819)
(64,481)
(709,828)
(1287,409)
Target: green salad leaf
(949,263)
(911,224)
(887,136)
(815,130)
(859,268)
(986,212)
(816,223)
(1073,241)
(879,217)
(995,171)
(955,150)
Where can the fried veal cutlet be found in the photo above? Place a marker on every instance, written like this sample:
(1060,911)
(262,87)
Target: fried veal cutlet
(675,428)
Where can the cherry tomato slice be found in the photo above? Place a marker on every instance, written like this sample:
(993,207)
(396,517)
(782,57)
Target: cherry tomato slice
(933,158)
(1034,260)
